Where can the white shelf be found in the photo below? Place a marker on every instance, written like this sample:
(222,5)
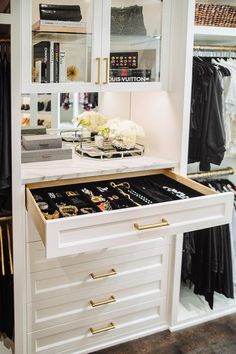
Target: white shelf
(214,35)
(61,87)
(5,19)
(122,43)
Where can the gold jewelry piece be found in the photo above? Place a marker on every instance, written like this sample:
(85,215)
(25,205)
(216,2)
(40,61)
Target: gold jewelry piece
(61,204)
(71,193)
(114,197)
(94,198)
(127,185)
(55,215)
(68,210)
(123,184)
(105,206)
(87,210)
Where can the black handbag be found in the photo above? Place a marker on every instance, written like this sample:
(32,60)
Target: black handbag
(127,21)
(60,12)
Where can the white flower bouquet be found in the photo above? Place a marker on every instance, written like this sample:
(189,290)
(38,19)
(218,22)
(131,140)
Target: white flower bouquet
(123,133)
(92,121)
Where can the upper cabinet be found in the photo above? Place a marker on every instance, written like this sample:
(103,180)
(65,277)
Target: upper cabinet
(93,45)
(5,7)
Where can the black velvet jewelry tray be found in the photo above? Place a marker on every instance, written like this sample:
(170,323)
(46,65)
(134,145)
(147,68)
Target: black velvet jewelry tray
(115,194)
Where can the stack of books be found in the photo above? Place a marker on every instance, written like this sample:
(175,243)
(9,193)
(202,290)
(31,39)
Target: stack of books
(49,62)
(60,26)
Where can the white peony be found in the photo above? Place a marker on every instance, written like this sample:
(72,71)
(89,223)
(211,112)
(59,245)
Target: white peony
(124,133)
(91,120)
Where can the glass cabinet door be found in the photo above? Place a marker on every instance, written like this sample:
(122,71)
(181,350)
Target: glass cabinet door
(65,43)
(134,42)
(5,6)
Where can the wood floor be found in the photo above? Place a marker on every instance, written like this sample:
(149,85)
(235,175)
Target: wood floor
(216,337)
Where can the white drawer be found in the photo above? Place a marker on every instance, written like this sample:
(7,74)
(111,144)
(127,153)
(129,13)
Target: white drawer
(76,336)
(83,233)
(36,260)
(72,307)
(125,271)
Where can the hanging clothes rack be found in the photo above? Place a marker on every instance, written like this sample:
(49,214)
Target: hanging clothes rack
(5,218)
(214,51)
(215,48)
(216,173)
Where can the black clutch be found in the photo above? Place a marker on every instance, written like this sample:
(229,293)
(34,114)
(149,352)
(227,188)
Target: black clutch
(128,21)
(60,12)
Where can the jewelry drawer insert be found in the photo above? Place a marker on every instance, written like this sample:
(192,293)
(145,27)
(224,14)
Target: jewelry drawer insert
(82,215)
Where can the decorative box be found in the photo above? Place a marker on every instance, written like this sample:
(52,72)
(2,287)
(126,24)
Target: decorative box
(45,155)
(41,142)
(33,130)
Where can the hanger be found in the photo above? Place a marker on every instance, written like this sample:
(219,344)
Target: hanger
(5,220)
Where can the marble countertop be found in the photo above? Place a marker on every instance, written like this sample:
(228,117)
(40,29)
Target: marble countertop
(84,167)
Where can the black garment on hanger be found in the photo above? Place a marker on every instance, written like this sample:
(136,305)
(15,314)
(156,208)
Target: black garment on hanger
(207,258)
(207,133)
(5,120)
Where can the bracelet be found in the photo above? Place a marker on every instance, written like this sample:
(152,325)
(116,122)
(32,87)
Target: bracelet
(126,185)
(68,210)
(175,192)
(140,196)
(55,215)
(42,206)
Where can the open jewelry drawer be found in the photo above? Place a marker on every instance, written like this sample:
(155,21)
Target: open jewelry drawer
(195,207)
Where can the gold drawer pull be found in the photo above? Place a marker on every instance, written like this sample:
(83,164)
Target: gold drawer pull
(99,71)
(107,70)
(163,222)
(109,301)
(102,330)
(105,275)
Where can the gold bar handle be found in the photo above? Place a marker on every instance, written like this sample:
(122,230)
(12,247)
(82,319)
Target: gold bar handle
(99,71)
(105,275)
(107,70)
(163,222)
(102,330)
(101,303)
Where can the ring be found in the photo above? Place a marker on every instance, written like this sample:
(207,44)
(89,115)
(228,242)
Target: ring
(68,210)
(42,206)
(48,216)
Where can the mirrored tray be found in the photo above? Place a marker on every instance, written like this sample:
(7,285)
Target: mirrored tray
(90,150)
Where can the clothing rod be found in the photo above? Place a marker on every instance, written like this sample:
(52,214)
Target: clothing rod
(219,48)
(223,172)
(5,218)
(5,41)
